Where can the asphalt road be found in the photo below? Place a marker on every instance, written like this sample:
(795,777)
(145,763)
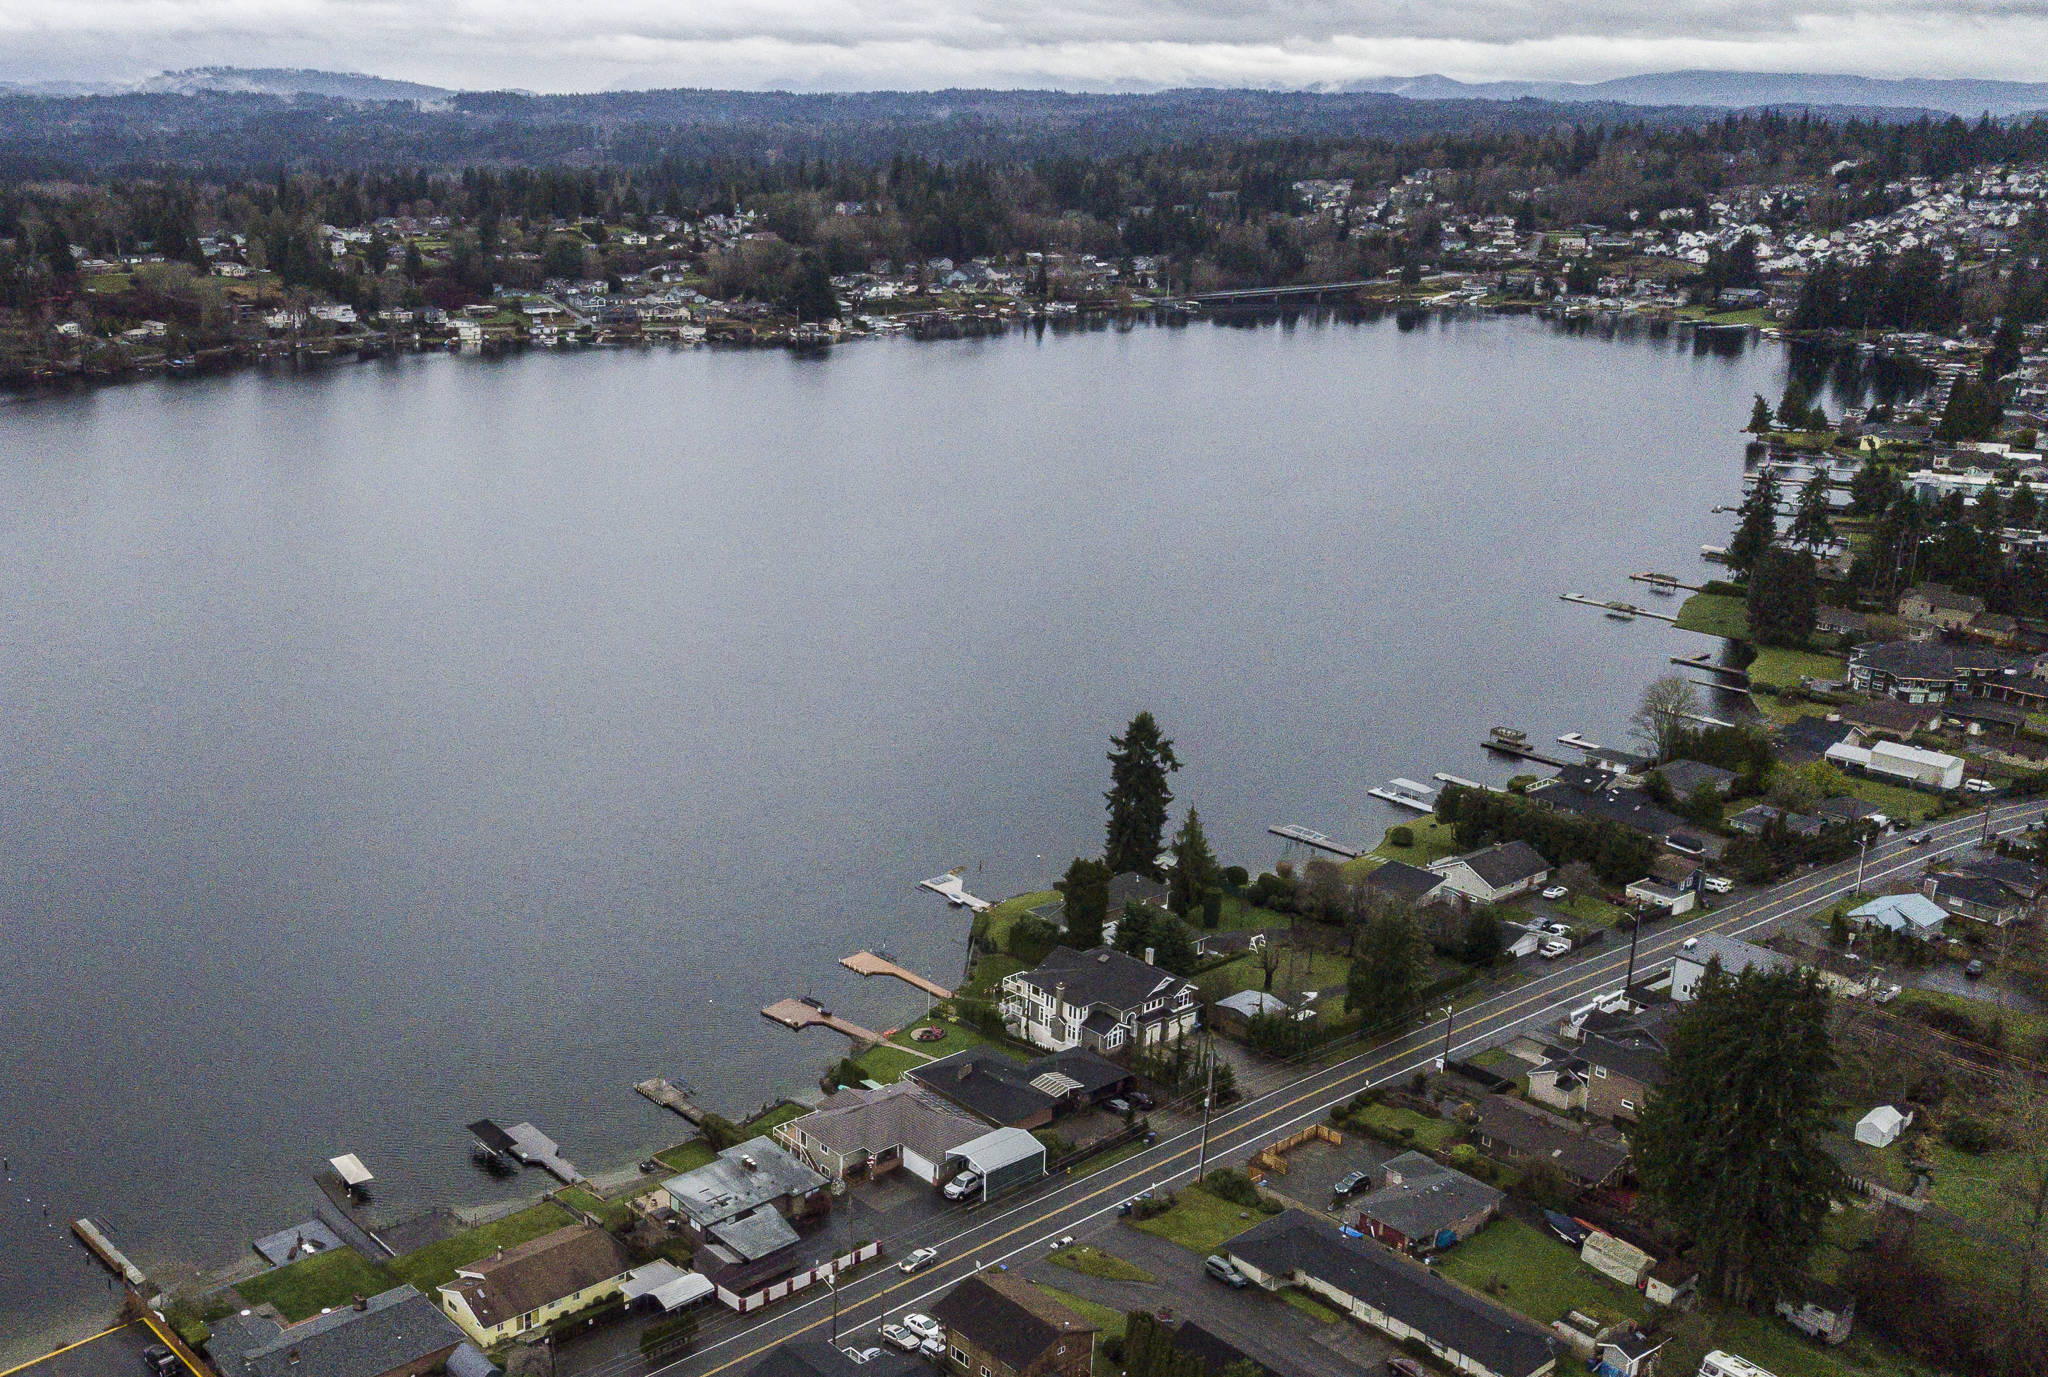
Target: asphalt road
(1017,1230)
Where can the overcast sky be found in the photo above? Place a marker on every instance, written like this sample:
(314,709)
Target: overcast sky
(568,45)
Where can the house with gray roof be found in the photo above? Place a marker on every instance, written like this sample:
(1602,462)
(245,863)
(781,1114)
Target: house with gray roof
(1921,671)
(1104,1000)
(1028,1094)
(1409,883)
(1688,777)
(866,1133)
(757,1174)
(1912,915)
(397,1332)
(529,1286)
(1396,1295)
(1731,954)
(1495,873)
(1976,897)
(1425,1205)
(1519,1132)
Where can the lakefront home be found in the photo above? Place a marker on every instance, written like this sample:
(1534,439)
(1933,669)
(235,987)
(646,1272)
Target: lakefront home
(1104,1000)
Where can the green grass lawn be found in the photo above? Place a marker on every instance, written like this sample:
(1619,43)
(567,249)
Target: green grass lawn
(1200,1221)
(1592,910)
(1715,614)
(1987,1189)
(1310,1306)
(1424,1132)
(435,1264)
(989,973)
(308,1286)
(1533,1273)
(2024,1032)
(1434,839)
(1780,668)
(1111,1322)
(1094,1262)
(613,1213)
(1312,970)
(885,1063)
(686,1156)
(1772,1345)
(1240,915)
(995,922)
(958,1037)
(1896,800)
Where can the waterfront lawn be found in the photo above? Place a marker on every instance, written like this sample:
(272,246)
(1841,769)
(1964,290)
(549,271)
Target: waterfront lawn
(885,1063)
(959,1037)
(994,923)
(989,972)
(1434,839)
(435,1264)
(1200,1221)
(1715,614)
(1772,1345)
(308,1286)
(1531,1272)
(1093,1262)
(1780,668)
(613,1214)
(686,1156)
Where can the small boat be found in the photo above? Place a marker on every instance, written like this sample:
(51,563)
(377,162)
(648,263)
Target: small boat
(1613,615)
(1509,736)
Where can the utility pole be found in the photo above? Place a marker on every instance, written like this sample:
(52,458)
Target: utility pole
(1208,1100)
(832,1283)
(1634,934)
(1862,850)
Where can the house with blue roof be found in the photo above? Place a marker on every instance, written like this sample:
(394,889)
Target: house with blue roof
(1914,915)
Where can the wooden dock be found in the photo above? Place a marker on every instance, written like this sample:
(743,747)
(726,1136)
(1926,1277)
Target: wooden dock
(1666,581)
(867,963)
(536,1149)
(669,1095)
(96,1241)
(1315,840)
(1706,662)
(1627,609)
(797,1015)
(1519,751)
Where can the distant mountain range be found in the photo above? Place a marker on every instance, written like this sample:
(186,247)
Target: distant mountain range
(1740,90)
(1717,89)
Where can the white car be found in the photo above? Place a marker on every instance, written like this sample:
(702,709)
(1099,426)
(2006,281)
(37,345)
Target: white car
(1719,884)
(924,1326)
(934,1347)
(1554,948)
(1979,786)
(962,1186)
(898,1336)
(919,1260)
(862,1355)
(1555,892)
(1688,944)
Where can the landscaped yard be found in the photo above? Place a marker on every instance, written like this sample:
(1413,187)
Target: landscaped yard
(312,1284)
(1111,1321)
(1434,839)
(1896,800)
(1422,1130)
(1535,1274)
(1093,1262)
(687,1156)
(886,1063)
(989,972)
(959,1037)
(1200,1221)
(994,922)
(1715,614)
(1298,971)
(1779,668)
(435,1264)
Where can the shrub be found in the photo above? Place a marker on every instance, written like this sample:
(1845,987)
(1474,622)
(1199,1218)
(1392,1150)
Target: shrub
(1031,938)
(1238,1189)
(1236,877)
(1158,1204)
(1966,1134)
(1401,836)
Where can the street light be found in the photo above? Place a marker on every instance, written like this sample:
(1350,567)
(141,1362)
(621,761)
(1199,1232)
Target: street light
(1450,1013)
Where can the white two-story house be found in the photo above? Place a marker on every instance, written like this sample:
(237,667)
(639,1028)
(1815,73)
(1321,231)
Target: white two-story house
(1103,1000)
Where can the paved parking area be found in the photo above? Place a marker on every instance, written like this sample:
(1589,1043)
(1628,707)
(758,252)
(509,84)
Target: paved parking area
(116,1353)
(1314,1167)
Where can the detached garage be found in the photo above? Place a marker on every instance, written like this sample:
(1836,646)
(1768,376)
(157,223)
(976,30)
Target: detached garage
(1004,1159)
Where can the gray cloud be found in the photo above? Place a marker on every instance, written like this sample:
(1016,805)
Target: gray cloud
(1081,44)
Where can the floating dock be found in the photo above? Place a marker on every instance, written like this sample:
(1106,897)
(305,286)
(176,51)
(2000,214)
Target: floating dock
(953,890)
(1706,662)
(1666,582)
(1315,840)
(1615,608)
(1406,793)
(798,1015)
(1518,750)
(1446,777)
(867,963)
(95,1239)
(669,1095)
(535,1148)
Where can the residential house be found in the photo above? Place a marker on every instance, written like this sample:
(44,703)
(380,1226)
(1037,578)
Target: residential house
(1496,873)
(396,1333)
(1519,1132)
(1848,811)
(866,1133)
(1936,604)
(1754,820)
(1881,1127)
(1560,1080)
(737,1209)
(1687,777)
(817,1358)
(1819,1309)
(1731,954)
(1000,1325)
(1133,888)
(1234,1013)
(1622,1069)
(1890,717)
(2025,879)
(1921,671)
(1589,794)
(1972,896)
(1408,883)
(1910,915)
(1103,1000)
(1397,1296)
(1908,765)
(1425,1205)
(529,1286)
(1656,893)
(1013,1094)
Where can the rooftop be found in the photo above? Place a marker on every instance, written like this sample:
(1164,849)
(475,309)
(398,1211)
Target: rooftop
(744,1176)
(1430,1197)
(395,1328)
(539,1271)
(1007,1316)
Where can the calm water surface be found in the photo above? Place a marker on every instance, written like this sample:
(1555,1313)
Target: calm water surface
(442,738)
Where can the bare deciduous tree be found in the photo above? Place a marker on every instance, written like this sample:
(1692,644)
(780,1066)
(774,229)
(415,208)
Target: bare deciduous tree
(1659,723)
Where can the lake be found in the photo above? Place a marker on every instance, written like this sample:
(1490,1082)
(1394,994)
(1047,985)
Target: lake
(447,737)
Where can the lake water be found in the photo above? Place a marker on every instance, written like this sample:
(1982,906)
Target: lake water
(443,737)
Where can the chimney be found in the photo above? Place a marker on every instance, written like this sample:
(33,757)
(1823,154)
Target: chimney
(362,1301)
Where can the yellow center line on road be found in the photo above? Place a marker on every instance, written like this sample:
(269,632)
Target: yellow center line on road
(1342,1074)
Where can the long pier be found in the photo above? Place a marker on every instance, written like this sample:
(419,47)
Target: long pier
(797,1015)
(1315,840)
(1296,292)
(96,1241)
(866,963)
(1519,751)
(1706,662)
(669,1095)
(1666,581)
(1627,608)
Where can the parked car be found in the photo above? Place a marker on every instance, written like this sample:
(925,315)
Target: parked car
(1117,1106)
(919,1260)
(1556,892)
(934,1347)
(923,1325)
(899,1337)
(1142,1100)
(1349,1184)
(862,1355)
(963,1185)
(1975,970)
(1558,929)
(1718,884)
(1979,786)
(1554,948)
(1219,1267)
(1919,839)
(159,1360)
(1688,944)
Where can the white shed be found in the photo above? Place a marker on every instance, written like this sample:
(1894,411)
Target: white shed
(1882,1126)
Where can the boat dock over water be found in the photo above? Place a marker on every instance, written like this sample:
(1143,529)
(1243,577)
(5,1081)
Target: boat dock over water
(869,963)
(1315,840)
(527,1144)
(1406,793)
(100,1246)
(1509,742)
(799,1014)
(1614,608)
(669,1095)
(953,890)
(1665,583)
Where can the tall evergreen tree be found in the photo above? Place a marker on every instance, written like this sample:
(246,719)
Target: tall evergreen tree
(1383,976)
(1195,872)
(1759,417)
(1756,524)
(1782,598)
(1731,1146)
(1086,900)
(1812,520)
(1138,797)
